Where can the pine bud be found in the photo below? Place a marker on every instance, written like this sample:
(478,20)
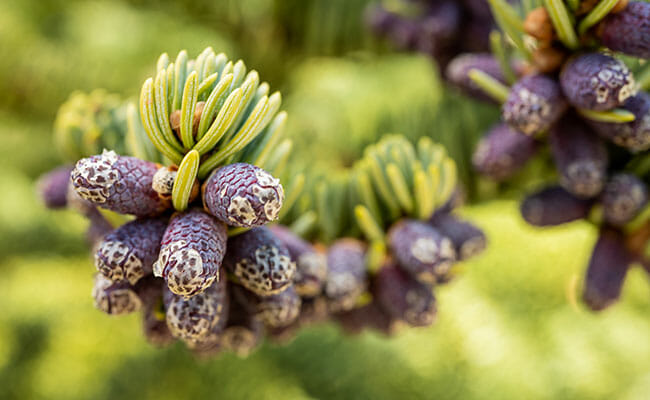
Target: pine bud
(580,157)
(346,274)
(553,206)
(53,187)
(130,251)
(534,104)
(311,265)
(607,268)
(628,31)
(624,196)
(421,250)
(191,252)
(635,135)
(118,183)
(597,82)
(243,195)
(260,262)
(402,297)
(502,152)
(114,298)
(468,240)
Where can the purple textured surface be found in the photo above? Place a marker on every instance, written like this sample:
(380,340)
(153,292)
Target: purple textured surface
(553,206)
(130,251)
(346,274)
(468,239)
(635,135)
(115,298)
(53,187)
(624,196)
(280,309)
(580,157)
(629,30)
(260,262)
(421,250)
(502,152)
(192,250)
(367,317)
(243,195)
(311,266)
(119,183)
(596,81)
(196,320)
(402,297)
(606,272)
(534,104)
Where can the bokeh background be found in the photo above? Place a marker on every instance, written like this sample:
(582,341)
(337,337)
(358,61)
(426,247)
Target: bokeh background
(509,328)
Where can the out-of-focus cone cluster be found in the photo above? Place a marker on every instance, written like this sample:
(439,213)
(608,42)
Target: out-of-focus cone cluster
(441,29)
(576,98)
(392,235)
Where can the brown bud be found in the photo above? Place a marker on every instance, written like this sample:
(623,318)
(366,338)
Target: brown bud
(198,111)
(548,59)
(175,120)
(538,24)
(620,6)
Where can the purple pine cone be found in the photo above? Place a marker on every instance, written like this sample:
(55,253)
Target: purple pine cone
(346,274)
(196,319)
(243,195)
(421,250)
(370,316)
(130,251)
(311,265)
(608,266)
(597,82)
(154,324)
(534,104)
(191,252)
(457,73)
(628,31)
(624,196)
(119,183)
(114,298)
(468,239)
(260,262)
(53,187)
(502,152)
(580,157)
(553,206)
(280,309)
(439,27)
(635,135)
(402,297)
(243,331)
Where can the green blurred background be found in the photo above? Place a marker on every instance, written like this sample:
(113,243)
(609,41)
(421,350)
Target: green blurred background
(508,328)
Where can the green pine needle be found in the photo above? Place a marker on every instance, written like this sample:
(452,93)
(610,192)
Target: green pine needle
(617,115)
(371,229)
(400,187)
(500,53)
(188,106)
(562,22)
(492,87)
(596,15)
(184,181)
(224,119)
(147,114)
